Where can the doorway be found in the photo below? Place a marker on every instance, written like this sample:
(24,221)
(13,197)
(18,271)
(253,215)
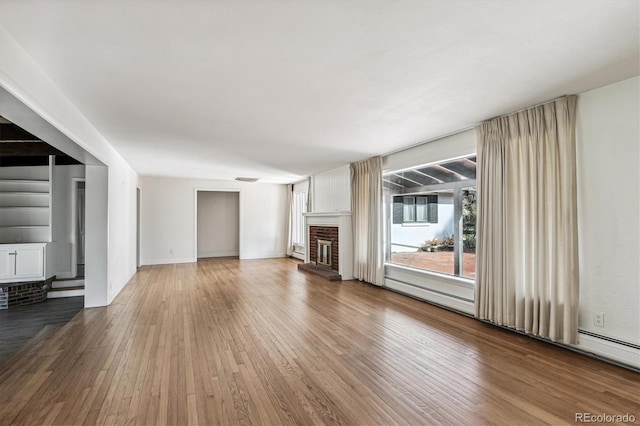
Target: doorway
(78,227)
(217,223)
(137,227)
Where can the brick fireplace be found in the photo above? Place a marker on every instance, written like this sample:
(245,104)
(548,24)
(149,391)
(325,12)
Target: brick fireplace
(329,234)
(336,228)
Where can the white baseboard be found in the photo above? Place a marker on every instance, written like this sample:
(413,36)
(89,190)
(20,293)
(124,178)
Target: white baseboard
(217,254)
(606,349)
(261,256)
(431,296)
(114,292)
(168,261)
(298,255)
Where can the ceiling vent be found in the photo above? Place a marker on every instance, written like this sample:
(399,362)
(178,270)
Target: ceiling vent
(247,179)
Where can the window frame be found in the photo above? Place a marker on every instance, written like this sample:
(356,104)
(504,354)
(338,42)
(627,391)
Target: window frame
(298,231)
(456,187)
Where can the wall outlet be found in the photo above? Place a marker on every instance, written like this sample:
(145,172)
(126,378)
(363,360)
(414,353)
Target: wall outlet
(170,251)
(598,319)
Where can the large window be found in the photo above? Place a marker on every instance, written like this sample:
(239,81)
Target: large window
(431,217)
(299,207)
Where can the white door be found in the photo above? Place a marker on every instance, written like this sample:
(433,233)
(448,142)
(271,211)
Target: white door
(29,262)
(7,262)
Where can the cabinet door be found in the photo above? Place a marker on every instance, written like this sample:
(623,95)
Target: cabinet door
(29,263)
(6,262)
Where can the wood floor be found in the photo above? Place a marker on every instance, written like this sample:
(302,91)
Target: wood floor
(18,324)
(257,342)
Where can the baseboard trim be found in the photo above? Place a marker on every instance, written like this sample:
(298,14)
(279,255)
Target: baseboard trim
(438,298)
(168,261)
(261,256)
(218,254)
(299,256)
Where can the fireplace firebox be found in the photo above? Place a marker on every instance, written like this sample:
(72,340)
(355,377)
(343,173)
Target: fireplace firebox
(323,256)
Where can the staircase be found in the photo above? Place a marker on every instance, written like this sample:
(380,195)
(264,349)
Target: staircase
(69,287)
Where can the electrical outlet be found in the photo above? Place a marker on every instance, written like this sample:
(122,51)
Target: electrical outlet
(171,251)
(598,319)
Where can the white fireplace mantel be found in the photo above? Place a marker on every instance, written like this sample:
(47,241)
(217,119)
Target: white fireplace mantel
(342,220)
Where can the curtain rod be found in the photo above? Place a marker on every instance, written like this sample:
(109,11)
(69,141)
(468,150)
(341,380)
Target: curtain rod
(525,109)
(455,132)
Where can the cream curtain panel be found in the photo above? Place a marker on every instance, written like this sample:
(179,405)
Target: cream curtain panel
(366,210)
(527,251)
(289,208)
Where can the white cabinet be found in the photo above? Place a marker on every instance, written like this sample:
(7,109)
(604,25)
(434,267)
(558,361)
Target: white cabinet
(6,263)
(22,262)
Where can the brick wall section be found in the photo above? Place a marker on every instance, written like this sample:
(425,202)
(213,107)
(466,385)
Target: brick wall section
(24,293)
(329,233)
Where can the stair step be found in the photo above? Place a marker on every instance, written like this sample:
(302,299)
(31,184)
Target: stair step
(75,287)
(55,293)
(67,283)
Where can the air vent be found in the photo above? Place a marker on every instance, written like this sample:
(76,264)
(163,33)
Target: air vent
(247,179)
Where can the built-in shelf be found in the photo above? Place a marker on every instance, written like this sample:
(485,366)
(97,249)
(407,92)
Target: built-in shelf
(24,192)
(26,180)
(25,226)
(25,206)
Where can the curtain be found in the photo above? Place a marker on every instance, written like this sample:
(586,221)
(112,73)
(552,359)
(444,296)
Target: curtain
(366,210)
(289,208)
(527,252)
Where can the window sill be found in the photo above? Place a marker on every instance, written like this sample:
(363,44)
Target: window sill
(416,224)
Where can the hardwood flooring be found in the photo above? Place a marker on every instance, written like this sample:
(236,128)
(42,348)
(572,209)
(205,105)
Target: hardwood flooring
(257,342)
(18,324)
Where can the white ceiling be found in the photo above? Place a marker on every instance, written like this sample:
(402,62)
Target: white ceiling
(283,89)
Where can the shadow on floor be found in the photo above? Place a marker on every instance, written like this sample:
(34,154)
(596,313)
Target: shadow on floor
(18,324)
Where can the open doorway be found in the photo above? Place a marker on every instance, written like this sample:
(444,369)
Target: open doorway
(78,224)
(80,227)
(138,227)
(217,223)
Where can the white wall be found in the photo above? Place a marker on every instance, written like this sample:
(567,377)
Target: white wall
(96,237)
(31,100)
(218,223)
(168,218)
(331,190)
(608,141)
(62,218)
